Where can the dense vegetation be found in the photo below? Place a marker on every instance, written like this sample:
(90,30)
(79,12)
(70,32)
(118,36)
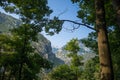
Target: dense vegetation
(19,61)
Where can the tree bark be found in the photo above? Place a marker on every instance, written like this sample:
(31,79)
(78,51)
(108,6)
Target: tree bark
(106,69)
(116,6)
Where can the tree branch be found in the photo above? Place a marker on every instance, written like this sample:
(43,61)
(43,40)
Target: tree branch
(79,24)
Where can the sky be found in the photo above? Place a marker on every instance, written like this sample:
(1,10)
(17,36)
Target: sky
(64,9)
(69,11)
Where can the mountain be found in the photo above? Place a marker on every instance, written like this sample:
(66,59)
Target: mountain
(54,49)
(8,22)
(43,46)
(84,51)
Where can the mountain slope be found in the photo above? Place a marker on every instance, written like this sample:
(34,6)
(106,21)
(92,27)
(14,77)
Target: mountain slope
(7,22)
(84,51)
(43,46)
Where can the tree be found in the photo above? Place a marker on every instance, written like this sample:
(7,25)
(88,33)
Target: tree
(114,42)
(86,17)
(116,5)
(91,70)
(6,55)
(91,42)
(62,72)
(103,45)
(74,70)
(34,15)
(73,48)
(100,24)
(12,57)
(113,36)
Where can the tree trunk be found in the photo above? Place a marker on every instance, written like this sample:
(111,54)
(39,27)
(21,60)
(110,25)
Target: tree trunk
(3,74)
(103,44)
(23,54)
(20,71)
(116,5)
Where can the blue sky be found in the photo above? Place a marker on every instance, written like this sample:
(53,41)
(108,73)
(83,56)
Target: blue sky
(70,13)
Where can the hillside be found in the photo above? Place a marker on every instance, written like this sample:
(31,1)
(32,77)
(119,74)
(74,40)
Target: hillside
(43,46)
(7,22)
(84,51)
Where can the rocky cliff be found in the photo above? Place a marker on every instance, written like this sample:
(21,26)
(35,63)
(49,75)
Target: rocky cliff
(8,22)
(43,46)
(84,51)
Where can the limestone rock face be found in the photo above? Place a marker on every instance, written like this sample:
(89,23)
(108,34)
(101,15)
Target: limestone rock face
(43,47)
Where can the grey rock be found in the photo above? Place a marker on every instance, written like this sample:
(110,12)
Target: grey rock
(43,46)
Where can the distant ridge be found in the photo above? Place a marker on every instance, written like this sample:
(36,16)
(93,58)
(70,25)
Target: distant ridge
(8,22)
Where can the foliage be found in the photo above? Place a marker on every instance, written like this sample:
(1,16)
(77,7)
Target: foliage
(88,16)
(91,42)
(16,51)
(91,70)
(36,13)
(62,72)
(73,46)
(25,63)
(114,42)
(87,12)
(74,71)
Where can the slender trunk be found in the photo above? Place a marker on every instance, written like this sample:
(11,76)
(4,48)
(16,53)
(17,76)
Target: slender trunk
(23,53)
(3,74)
(103,44)
(116,5)
(20,71)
